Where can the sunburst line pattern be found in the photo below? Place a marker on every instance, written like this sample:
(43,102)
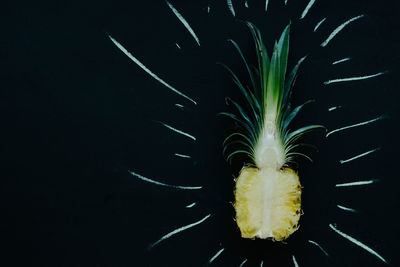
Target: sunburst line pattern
(358,243)
(140,64)
(182,156)
(295,261)
(191,205)
(339,28)
(180,229)
(230,6)
(184,22)
(346,209)
(309,5)
(319,24)
(355,125)
(358,78)
(357,183)
(359,156)
(163,184)
(216,255)
(341,60)
(334,108)
(243,263)
(178,131)
(319,246)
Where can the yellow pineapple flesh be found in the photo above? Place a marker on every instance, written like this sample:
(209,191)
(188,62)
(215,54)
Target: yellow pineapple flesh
(267,203)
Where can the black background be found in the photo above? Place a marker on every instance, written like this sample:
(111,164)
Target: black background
(77,114)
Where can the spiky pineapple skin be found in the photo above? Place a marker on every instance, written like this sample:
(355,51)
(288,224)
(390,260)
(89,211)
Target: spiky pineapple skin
(267,203)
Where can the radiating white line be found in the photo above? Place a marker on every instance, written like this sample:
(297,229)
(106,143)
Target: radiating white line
(178,131)
(354,78)
(183,228)
(230,6)
(177,45)
(216,255)
(266,5)
(191,205)
(208,9)
(246,4)
(307,8)
(339,28)
(182,156)
(359,156)
(162,184)
(357,183)
(333,108)
(295,262)
(262,263)
(179,105)
(184,22)
(346,209)
(319,24)
(358,243)
(341,60)
(243,262)
(354,125)
(126,52)
(316,244)
(286,2)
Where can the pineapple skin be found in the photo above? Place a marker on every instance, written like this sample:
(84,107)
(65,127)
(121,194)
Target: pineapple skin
(267,202)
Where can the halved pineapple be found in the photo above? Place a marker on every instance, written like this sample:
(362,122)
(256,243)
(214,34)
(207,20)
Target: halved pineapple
(268,194)
(267,202)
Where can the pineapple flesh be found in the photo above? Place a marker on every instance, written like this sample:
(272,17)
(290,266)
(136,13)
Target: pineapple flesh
(267,202)
(268,190)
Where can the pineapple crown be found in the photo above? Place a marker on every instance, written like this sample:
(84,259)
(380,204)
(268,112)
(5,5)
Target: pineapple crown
(267,101)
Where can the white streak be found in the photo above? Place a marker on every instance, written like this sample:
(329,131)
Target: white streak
(191,205)
(216,255)
(319,24)
(307,8)
(356,183)
(295,262)
(262,263)
(354,125)
(341,60)
(346,209)
(162,184)
(126,52)
(333,108)
(338,29)
(243,262)
(246,4)
(183,228)
(286,2)
(359,156)
(208,9)
(316,244)
(355,78)
(178,131)
(230,6)
(179,105)
(177,45)
(184,22)
(266,5)
(182,156)
(358,243)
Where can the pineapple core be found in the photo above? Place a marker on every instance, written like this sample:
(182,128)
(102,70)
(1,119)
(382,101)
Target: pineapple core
(267,202)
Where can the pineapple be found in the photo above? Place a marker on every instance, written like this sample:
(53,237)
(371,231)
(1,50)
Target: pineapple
(268,190)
